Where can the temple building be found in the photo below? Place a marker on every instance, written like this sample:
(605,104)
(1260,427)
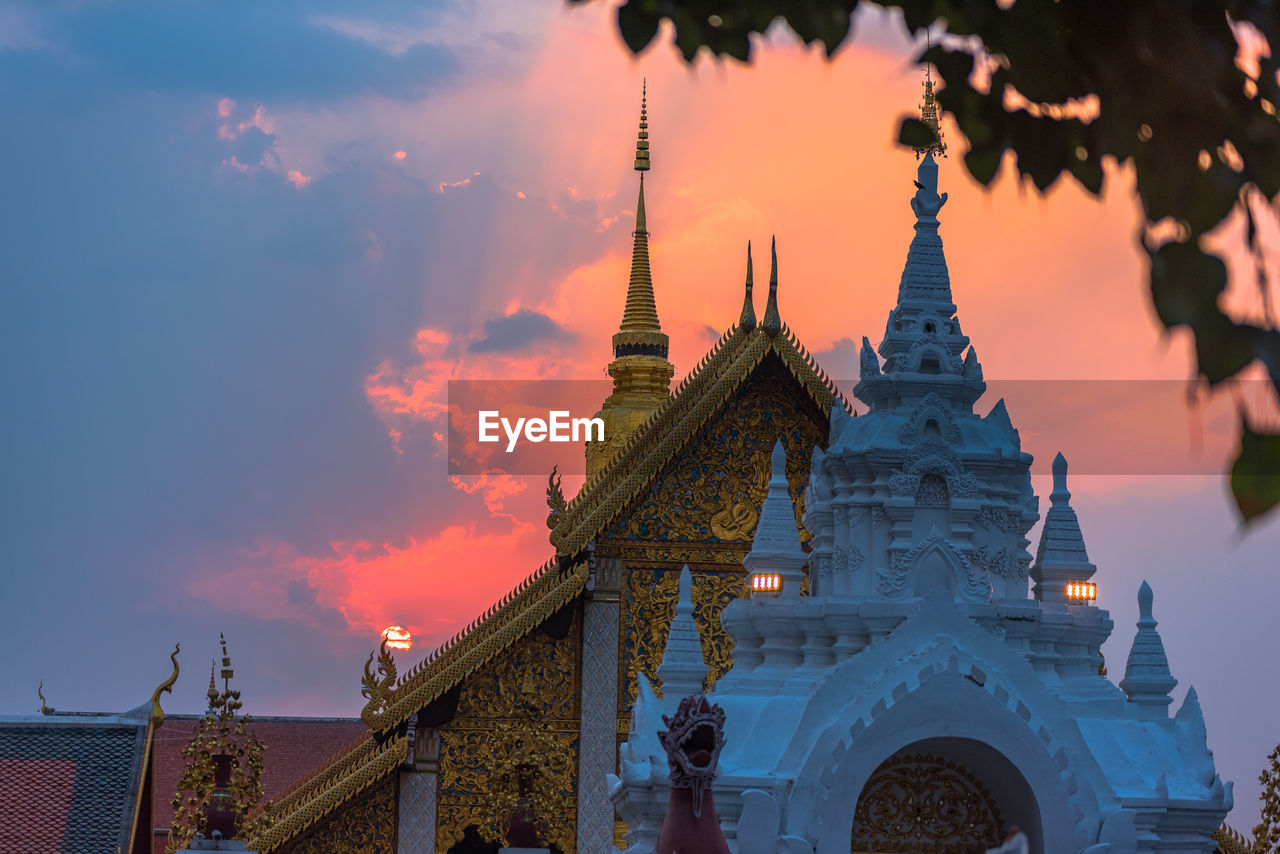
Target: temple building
(898,672)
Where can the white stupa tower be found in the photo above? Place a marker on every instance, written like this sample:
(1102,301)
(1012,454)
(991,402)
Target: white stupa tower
(920,695)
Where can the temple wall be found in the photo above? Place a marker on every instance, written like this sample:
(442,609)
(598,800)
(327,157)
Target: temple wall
(522,705)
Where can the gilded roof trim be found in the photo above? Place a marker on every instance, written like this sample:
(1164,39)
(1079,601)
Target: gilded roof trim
(347,776)
(363,763)
(1230,841)
(655,443)
(539,596)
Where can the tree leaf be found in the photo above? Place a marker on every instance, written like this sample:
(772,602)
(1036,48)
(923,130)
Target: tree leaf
(916,134)
(638,24)
(1255,476)
(1185,282)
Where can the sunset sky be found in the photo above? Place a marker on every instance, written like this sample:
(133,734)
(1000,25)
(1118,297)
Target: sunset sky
(244,248)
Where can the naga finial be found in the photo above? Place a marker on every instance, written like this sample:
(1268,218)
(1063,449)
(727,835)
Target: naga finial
(165,687)
(45,708)
(376,687)
(555,499)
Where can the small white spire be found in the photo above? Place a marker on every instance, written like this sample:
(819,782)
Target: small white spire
(1147,680)
(683,670)
(1061,557)
(776,546)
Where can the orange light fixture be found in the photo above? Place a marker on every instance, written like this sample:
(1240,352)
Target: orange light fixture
(1082,591)
(766,584)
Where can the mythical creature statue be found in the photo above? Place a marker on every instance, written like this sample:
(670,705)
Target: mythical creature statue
(693,739)
(556,504)
(377,687)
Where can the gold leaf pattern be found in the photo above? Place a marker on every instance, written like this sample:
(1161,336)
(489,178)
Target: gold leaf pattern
(715,492)
(366,825)
(538,672)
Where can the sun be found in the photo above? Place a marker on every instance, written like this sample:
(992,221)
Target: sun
(397,637)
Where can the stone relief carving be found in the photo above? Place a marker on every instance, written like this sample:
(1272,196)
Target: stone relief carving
(933,407)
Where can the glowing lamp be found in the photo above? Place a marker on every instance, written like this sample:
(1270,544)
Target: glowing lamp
(1082,591)
(397,637)
(766,584)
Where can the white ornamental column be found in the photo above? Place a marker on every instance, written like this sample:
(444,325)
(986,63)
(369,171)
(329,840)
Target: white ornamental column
(418,782)
(598,724)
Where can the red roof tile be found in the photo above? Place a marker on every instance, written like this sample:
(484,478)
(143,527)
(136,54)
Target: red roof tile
(38,791)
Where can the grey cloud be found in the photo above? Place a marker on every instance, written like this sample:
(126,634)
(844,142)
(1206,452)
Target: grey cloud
(517,331)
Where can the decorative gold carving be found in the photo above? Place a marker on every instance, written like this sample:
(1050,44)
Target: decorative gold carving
(924,803)
(651,602)
(660,554)
(711,593)
(522,706)
(667,434)
(325,791)
(45,708)
(219,742)
(651,598)
(367,825)
(1231,841)
(165,687)
(555,499)
(716,490)
(377,688)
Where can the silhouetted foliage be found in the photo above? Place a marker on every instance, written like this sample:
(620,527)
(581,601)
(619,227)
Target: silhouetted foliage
(1061,85)
(1266,836)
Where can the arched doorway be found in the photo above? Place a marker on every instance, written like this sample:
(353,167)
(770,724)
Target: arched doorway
(942,796)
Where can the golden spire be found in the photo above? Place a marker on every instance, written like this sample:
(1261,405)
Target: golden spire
(748,318)
(640,333)
(212,693)
(772,320)
(929,113)
(45,708)
(640,370)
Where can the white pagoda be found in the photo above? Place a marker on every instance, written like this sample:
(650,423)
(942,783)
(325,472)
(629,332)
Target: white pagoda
(934,685)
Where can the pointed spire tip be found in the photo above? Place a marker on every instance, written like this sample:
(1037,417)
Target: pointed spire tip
(772,319)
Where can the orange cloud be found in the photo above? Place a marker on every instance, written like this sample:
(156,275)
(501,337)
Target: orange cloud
(362,586)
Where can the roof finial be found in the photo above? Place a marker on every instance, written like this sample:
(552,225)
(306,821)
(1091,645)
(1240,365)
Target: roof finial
(772,320)
(642,138)
(212,693)
(748,318)
(640,333)
(157,713)
(929,110)
(1147,680)
(45,708)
